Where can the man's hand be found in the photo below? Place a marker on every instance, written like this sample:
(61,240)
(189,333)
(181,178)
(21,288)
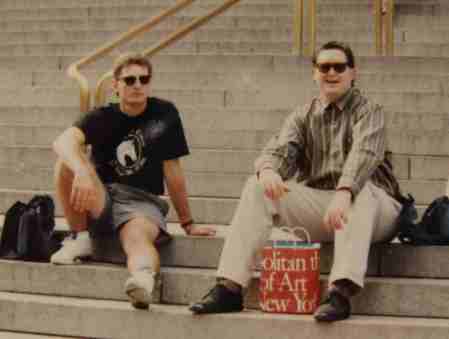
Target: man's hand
(192,229)
(273,185)
(337,211)
(83,191)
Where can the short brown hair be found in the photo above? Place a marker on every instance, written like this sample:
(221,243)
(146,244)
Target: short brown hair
(341,46)
(131,59)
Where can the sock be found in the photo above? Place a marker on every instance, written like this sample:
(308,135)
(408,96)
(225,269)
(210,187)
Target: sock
(143,263)
(230,285)
(345,287)
(83,235)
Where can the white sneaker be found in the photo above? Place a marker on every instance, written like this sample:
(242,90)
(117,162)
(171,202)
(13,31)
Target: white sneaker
(73,250)
(139,288)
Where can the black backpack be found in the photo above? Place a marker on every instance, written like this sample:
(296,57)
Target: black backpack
(28,230)
(433,229)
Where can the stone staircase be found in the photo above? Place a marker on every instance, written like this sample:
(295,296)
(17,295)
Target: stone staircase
(234,81)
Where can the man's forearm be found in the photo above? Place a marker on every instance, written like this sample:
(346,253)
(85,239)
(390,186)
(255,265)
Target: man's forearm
(282,150)
(178,195)
(177,189)
(71,151)
(357,170)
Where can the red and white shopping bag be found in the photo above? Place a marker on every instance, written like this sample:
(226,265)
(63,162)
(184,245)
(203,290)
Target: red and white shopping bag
(290,276)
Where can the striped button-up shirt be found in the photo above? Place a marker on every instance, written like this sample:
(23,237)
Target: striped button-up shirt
(342,144)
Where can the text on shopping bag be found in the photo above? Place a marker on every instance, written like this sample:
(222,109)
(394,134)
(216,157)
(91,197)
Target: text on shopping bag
(289,281)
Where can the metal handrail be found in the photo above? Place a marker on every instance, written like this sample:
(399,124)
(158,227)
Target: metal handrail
(312,26)
(73,70)
(389,28)
(298,26)
(383,26)
(378,27)
(172,38)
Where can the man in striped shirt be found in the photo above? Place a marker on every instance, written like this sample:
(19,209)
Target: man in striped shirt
(325,171)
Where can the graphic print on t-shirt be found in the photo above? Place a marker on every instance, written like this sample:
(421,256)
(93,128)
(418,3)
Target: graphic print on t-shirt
(130,156)
(130,153)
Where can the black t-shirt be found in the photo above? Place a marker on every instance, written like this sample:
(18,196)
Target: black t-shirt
(130,150)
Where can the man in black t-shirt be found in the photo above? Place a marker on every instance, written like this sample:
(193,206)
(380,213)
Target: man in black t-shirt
(135,146)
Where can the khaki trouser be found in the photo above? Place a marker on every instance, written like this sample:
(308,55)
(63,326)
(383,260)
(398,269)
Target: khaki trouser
(371,219)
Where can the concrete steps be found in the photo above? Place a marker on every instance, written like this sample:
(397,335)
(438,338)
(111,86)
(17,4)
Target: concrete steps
(278,33)
(247,63)
(200,126)
(402,140)
(283,97)
(241,162)
(389,260)
(207,210)
(181,286)
(214,210)
(18,335)
(429,40)
(216,183)
(116,319)
(80,24)
(425,83)
(142,10)
(409,133)
(76,51)
(19,123)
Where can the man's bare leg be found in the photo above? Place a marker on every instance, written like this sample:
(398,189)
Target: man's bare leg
(137,238)
(63,181)
(81,246)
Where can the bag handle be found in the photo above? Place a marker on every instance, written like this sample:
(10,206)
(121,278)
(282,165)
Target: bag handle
(294,230)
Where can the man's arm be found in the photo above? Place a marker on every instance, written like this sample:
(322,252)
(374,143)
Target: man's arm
(367,152)
(176,185)
(70,148)
(282,151)
(279,159)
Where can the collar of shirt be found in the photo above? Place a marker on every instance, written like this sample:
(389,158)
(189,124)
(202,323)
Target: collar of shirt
(340,103)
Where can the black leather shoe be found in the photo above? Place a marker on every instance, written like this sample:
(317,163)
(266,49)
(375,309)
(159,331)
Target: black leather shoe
(219,300)
(335,307)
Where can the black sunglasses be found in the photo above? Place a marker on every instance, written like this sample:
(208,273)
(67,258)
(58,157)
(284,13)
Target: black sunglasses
(130,80)
(339,67)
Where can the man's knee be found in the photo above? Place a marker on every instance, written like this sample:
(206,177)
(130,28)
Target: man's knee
(254,186)
(366,199)
(138,230)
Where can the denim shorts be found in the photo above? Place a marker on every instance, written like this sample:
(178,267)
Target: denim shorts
(124,203)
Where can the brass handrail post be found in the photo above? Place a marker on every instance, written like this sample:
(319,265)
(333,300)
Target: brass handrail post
(172,38)
(389,29)
(73,69)
(378,27)
(74,73)
(312,26)
(100,89)
(298,28)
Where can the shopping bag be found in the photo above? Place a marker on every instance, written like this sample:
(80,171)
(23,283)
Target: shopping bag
(290,276)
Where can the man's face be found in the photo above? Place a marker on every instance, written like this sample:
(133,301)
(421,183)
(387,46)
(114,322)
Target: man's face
(332,74)
(133,85)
